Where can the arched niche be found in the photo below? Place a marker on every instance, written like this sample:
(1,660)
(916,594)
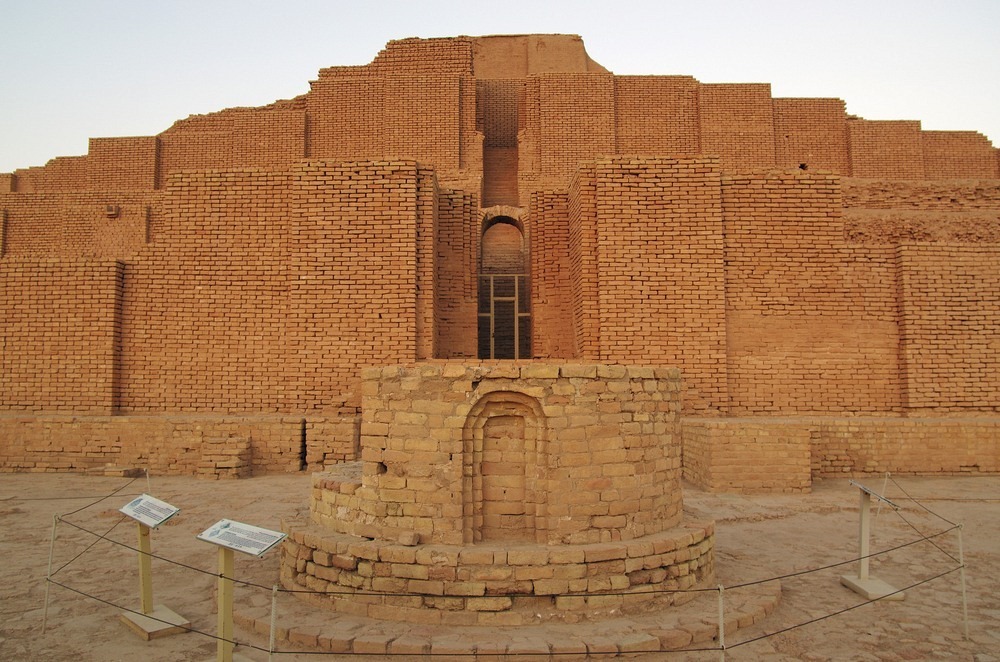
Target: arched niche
(504,460)
(504,304)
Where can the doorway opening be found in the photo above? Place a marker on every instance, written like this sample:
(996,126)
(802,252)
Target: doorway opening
(504,307)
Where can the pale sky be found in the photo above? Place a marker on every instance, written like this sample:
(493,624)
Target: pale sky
(75,69)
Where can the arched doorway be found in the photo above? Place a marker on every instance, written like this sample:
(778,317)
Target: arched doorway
(505,457)
(504,297)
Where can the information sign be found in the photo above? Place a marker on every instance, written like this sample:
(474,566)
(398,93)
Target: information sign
(149,510)
(241,537)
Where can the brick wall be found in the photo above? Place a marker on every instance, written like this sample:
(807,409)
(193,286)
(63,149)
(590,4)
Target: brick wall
(110,224)
(737,125)
(576,122)
(59,334)
(551,286)
(659,257)
(344,110)
(657,115)
(885,149)
(64,173)
(958,155)
(582,209)
(811,327)
(612,428)
(272,136)
(752,455)
(201,445)
(122,164)
(950,304)
(922,195)
(455,257)
(352,249)
(811,132)
(204,310)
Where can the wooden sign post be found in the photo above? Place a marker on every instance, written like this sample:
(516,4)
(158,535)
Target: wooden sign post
(155,620)
(230,536)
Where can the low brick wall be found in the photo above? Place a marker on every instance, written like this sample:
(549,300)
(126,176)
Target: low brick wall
(200,445)
(495,584)
(747,455)
(754,456)
(546,453)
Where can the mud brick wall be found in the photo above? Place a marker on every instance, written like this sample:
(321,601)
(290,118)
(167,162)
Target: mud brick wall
(958,155)
(753,455)
(64,173)
(344,111)
(112,224)
(273,136)
(416,100)
(205,307)
(586,453)
(582,208)
(811,132)
(657,115)
(239,305)
(455,257)
(59,334)
(950,339)
(737,125)
(942,445)
(748,458)
(204,446)
(886,149)
(122,164)
(917,195)
(659,254)
(352,300)
(800,337)
(576,121)
(551,288)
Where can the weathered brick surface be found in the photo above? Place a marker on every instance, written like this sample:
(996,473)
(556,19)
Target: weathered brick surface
(751,455)
(203,445)
(789,258)
(526,585)
(438,437)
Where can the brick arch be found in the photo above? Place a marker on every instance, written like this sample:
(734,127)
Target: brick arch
(492,463)
(504,293)
(502,214)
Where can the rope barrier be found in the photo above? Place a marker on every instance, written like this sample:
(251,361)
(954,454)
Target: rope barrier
(151,617)
(844,610)
(719,589)
(105,498)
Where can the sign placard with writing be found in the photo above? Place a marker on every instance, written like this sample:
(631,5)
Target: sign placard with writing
(149,510)
(241,537)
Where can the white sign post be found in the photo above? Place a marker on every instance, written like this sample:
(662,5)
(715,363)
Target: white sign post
(233,536)
(863,584)
(155,620)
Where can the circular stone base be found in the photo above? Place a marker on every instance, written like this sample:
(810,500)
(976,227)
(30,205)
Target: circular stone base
(495,585)
(695,625)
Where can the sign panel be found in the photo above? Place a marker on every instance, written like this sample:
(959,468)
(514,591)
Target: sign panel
(149,510)
(241,537)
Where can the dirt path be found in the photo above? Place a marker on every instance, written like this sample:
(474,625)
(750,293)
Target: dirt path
(756,538)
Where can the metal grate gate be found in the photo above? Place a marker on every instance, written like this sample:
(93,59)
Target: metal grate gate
(504,317)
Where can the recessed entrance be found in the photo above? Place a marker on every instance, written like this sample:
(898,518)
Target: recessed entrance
(504,301)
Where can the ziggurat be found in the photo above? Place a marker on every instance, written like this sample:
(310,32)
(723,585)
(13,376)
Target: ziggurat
(207,300)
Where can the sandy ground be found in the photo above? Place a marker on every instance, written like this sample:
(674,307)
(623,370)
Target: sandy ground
(756,538)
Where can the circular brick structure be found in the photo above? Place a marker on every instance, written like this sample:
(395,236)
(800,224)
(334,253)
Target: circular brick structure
(505,494)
